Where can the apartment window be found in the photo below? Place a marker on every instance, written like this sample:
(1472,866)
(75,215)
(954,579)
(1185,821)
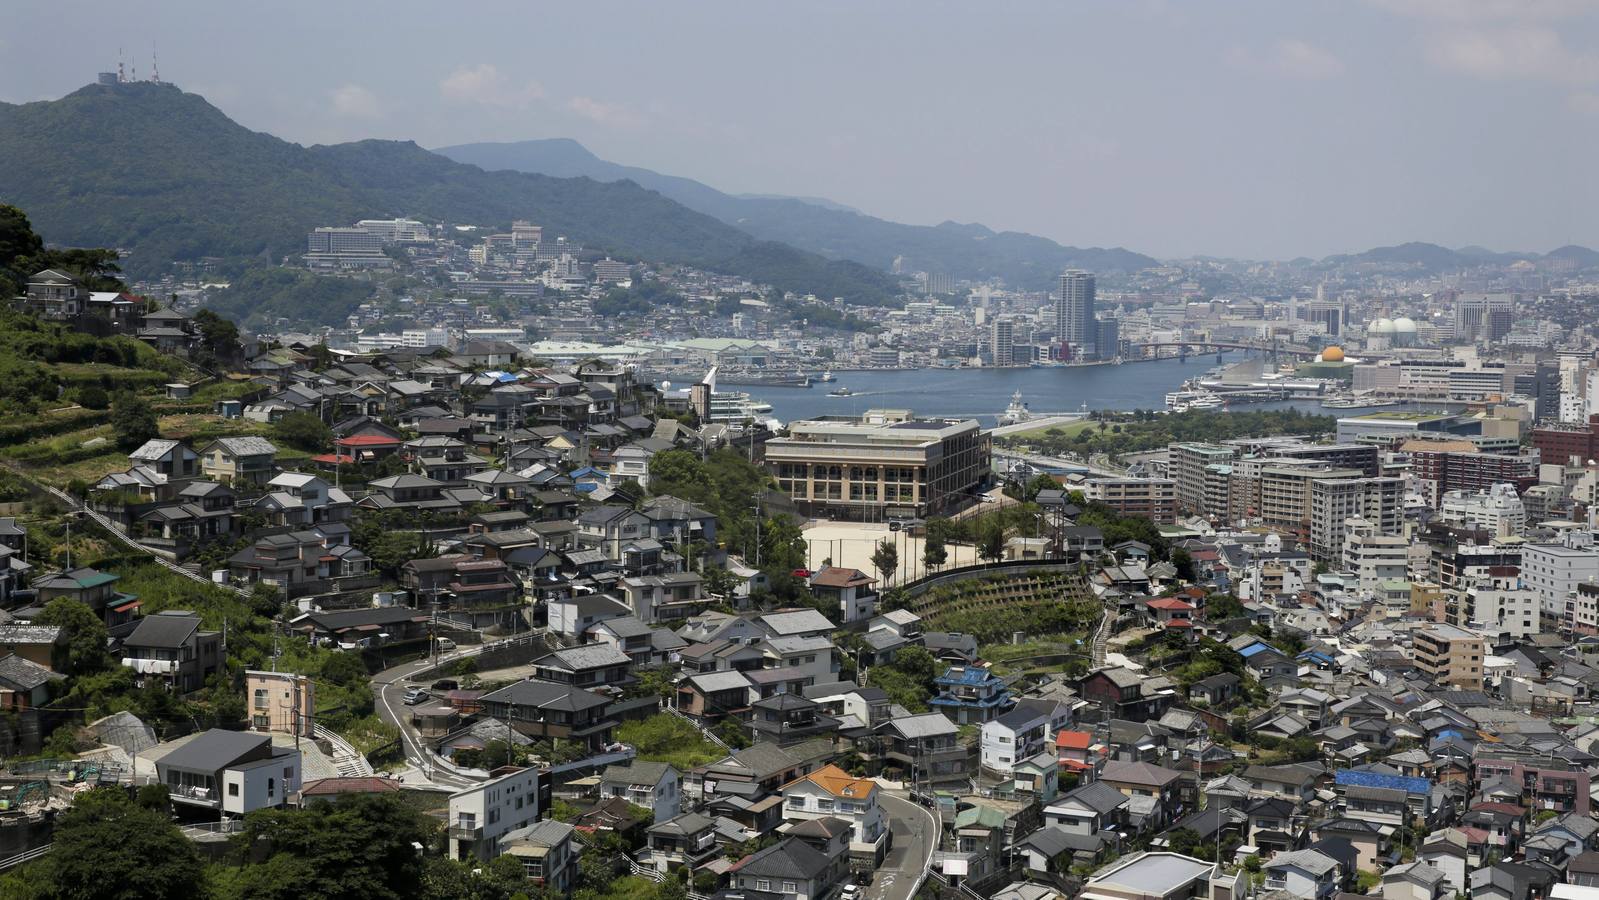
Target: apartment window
(272,787)
(788,887)
(761,884)
(260,697)
(233,789)
(796,803)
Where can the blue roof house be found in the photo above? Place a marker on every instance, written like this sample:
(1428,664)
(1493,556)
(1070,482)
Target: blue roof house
(970,695)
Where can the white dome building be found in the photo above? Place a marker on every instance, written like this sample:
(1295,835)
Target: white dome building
(1404,332)
(1380,334)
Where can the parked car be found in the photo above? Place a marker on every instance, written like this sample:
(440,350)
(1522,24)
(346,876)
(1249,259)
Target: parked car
(446,684)
(446,645)
(415,696)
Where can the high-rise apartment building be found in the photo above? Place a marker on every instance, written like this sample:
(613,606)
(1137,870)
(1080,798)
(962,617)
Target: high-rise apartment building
(1379,501)
(1075,326)
(1201,485)
(1002,340)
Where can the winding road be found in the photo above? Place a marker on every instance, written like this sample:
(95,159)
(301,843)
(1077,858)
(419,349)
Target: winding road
(916,833)
(388,687)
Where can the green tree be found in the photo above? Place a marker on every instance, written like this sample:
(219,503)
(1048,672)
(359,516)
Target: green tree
(917,663)
(107,847)
(885,559)
(219,336)
(132,421)
(93,396)
(303,431)
(991,541)
(1183,561)
(719,582)
(934,554)
(85,634)
(1183,840)
(360,847)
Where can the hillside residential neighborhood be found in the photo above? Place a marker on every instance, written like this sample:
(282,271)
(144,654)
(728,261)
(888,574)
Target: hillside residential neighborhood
(501,522)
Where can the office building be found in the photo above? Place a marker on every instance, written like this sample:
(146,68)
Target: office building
(1108,343)
(1075,327)
(1330,314)
(1554,570)
(343,240)
(1449,655)
(1458,565)
(1484,317)
(886,462)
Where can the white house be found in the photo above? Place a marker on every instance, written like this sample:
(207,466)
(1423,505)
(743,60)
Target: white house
(1306,874)
(1020,734)
(831,791)
(572,617)
(1414,881)
(807,657)
(232,772)
(632,462)
(481,815)
(652,785)
(1089,809)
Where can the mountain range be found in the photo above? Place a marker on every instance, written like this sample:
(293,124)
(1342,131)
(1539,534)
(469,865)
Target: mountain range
(835,231)
(167,176)
(1434,258)
(162,173)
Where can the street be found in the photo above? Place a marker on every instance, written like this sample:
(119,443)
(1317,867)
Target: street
(390,705)
(915,838)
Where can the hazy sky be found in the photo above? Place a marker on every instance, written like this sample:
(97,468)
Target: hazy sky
(1264,129)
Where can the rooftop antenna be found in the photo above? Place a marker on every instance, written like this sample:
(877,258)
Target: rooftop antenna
(155,65)
(122,72)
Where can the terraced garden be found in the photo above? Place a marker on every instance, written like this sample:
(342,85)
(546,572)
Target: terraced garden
(992,608)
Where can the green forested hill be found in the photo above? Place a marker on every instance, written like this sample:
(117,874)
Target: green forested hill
(151,169)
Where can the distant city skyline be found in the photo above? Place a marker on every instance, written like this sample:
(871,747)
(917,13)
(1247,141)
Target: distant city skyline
(1250,129)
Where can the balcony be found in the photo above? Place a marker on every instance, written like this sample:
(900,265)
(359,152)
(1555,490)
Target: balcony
(193,794)
(464,831)
(151,666)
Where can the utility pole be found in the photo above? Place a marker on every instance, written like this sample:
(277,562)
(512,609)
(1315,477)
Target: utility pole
(757,509)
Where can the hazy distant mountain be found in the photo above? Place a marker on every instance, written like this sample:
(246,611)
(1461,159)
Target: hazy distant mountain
(165,174)
(1432,258)
(961,251)
(1584,257)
